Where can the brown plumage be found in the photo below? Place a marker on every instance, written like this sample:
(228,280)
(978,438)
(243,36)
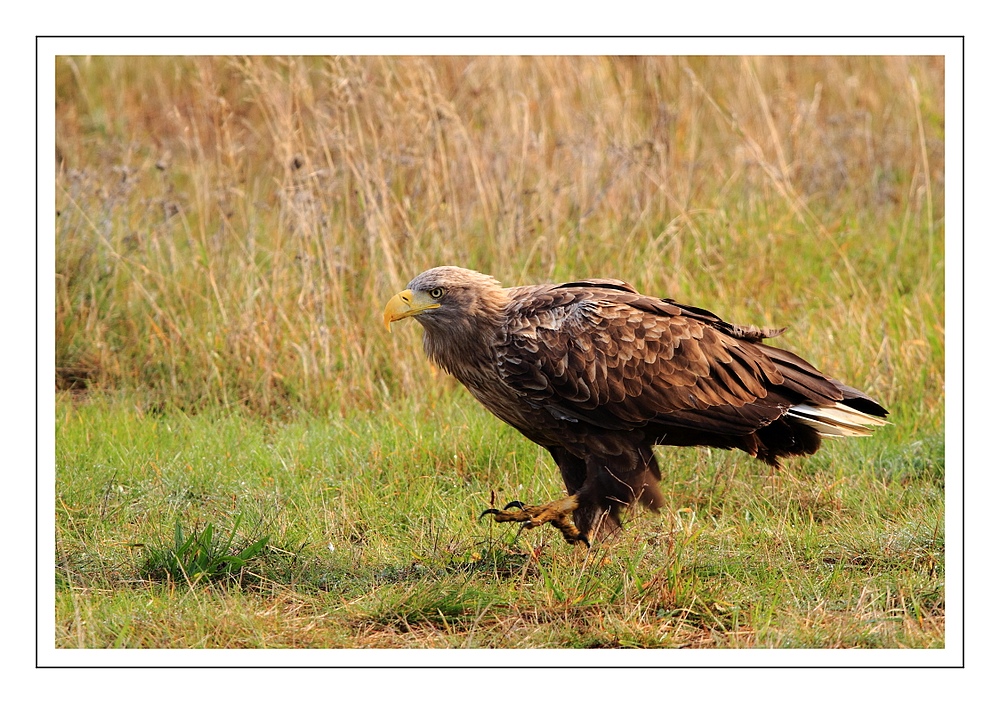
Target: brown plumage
(598,373)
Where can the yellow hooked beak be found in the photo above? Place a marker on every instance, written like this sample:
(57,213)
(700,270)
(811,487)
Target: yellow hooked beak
(405,304)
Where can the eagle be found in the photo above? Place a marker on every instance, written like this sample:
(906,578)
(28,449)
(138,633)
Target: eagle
(598,373)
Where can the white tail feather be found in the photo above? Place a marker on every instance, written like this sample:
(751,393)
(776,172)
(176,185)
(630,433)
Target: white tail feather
(836,421)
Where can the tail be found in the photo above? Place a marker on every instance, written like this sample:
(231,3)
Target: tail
(838,420)
(825,408)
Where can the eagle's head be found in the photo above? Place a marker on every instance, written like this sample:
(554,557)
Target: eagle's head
(445,298)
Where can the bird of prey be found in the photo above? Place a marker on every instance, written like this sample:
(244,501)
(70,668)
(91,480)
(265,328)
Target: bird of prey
(597,374)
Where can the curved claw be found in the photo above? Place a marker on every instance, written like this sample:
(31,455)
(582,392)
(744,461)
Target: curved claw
(495,511)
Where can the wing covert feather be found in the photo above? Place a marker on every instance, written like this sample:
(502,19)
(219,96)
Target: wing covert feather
(596,355)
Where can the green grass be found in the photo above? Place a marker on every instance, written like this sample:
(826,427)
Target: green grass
(374,539)
(228,231)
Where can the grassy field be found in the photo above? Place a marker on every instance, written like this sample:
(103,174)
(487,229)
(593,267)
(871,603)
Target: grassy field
(245,458)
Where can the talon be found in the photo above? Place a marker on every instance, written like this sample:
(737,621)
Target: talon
(558,513)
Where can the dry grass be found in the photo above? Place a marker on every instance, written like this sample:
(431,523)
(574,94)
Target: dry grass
(228,227)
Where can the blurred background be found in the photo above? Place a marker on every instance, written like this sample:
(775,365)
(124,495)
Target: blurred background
(228,229)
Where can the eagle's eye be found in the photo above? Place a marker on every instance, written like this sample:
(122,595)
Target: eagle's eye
(436,293)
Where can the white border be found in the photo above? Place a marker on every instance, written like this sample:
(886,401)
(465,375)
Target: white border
(950,656)
(465,46)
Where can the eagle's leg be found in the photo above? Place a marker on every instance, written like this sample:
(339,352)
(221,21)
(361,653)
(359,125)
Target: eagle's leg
(559,513)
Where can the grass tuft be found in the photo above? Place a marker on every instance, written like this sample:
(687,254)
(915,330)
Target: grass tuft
(203,556)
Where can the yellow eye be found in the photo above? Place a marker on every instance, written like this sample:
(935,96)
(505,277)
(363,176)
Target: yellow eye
(437,293)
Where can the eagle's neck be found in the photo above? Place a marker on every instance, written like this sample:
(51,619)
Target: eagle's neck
(465,348)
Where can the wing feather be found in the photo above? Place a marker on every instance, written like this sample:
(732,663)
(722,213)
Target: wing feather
(600,352)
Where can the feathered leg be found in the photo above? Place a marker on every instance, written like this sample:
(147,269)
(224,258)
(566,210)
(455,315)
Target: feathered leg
(599,488)
(614,483)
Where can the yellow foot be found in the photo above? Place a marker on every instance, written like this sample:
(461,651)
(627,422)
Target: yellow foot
(558,513)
